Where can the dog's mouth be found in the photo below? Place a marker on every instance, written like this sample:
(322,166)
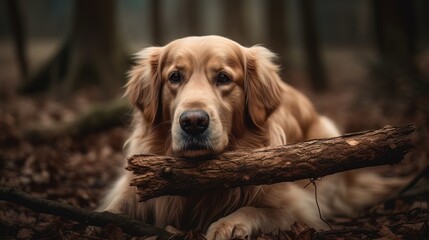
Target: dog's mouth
(194,147)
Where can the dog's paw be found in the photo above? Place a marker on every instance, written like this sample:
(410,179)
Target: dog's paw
(224,230)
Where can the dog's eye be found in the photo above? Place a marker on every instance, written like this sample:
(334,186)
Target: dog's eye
(175,77)
(222,78)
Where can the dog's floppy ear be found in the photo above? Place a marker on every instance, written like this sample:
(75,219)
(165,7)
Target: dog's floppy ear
(262,84)
(144,83)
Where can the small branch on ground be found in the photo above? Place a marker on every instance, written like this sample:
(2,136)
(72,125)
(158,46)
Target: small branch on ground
(167,175)
(98,118)
(99,219)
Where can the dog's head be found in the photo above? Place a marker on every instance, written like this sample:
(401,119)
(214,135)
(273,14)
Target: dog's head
(210,89)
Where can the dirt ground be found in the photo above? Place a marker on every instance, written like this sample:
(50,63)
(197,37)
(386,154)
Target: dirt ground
(77,169)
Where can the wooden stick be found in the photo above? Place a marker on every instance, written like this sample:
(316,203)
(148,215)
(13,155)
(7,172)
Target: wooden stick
(168,175)
(81,215)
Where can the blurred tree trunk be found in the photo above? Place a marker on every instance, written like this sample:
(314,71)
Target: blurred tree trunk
(234,20)
(156,6)
(95,42)
(422,17)
(395,42)
(92,54)
(19,36)
(311,46)
(192,8)
(277,28)
(395,30)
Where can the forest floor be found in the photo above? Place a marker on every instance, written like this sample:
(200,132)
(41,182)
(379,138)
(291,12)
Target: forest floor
(77,169)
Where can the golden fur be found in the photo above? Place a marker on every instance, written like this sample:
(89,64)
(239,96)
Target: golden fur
(255,109)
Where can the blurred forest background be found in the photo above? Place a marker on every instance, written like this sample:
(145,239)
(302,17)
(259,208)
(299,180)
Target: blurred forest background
(63,64)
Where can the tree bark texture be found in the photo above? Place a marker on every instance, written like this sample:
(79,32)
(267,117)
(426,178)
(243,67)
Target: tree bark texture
(155,176)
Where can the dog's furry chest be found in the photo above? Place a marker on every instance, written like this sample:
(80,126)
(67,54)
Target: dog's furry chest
(200,210)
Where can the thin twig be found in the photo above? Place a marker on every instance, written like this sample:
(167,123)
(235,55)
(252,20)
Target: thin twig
(317,203)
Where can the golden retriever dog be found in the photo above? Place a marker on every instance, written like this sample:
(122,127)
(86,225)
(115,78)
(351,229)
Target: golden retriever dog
(201,96)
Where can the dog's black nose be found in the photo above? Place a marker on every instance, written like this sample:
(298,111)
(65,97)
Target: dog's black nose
(194,122)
